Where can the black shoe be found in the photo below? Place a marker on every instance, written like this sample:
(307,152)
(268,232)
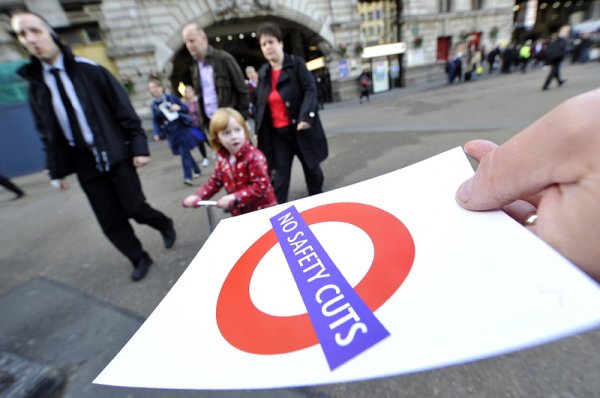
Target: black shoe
(169,235)
(19,196)
(560,83)
(141,268)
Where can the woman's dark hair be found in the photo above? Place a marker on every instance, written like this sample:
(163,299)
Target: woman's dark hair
(269,29)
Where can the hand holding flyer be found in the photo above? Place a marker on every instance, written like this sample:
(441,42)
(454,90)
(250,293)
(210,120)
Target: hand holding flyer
(350,285)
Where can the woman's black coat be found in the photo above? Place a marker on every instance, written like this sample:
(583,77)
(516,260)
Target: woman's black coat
(298,90)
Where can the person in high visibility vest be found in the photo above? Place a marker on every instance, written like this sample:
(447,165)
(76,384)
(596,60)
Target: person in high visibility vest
(525,55)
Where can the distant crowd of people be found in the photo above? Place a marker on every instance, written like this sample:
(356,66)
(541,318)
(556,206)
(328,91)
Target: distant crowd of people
(551,51)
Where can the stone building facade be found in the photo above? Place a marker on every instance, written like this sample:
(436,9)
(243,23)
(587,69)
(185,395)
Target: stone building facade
(142,37)
(434,29)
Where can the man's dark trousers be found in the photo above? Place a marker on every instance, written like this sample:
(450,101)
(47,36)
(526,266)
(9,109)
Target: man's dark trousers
(116,196)
(554,74)
(8,184)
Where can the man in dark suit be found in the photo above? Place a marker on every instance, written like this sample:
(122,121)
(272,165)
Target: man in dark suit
(88,127)
(555,53)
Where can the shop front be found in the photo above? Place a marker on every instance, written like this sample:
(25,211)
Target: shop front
(385,63)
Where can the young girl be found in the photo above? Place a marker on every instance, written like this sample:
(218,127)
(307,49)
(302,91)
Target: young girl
(169,123)
(241,168)
(191,100)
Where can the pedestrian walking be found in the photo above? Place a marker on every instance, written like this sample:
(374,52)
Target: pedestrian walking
(491,59)
(11,186)
(216,76)
(554,54)
(241,168)
(509,58)
(364,85)
(525,55)
(88,127)
(287,118)
(191,98)
(171,121)
(251,82)
(454,68)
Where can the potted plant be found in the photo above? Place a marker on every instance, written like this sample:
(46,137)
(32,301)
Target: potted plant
(417,42)
(358,49)
(494,32)
(128,84)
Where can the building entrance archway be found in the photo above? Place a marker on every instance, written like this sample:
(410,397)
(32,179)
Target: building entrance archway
(238,37)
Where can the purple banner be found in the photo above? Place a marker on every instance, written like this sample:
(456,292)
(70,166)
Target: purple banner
(343,323)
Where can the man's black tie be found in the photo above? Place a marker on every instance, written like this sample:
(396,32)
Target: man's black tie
(75,127)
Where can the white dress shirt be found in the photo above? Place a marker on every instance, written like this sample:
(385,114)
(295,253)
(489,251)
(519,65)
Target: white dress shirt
(58,106)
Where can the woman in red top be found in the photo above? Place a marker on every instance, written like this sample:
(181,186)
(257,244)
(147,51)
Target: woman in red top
(241,168)
(287,119)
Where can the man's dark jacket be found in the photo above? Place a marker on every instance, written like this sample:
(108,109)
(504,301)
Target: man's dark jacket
(230,85)
(116,127)
(556,50)
(298,89)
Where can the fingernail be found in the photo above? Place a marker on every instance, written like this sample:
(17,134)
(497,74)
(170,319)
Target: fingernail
(463,194)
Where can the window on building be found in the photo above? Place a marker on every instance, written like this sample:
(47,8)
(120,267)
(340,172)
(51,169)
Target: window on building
(72,37)
(477,4)
(377,14)
(445,5)
(77,5)
(93,33)
(81,35)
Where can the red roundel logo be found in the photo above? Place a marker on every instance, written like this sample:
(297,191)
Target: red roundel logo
(249,329)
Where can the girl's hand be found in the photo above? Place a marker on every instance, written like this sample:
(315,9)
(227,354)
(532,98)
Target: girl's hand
(156,138)
(175,108)
(190,201)
(223,203)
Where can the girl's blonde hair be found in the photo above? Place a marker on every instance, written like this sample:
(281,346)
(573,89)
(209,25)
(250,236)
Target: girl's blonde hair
(220,121)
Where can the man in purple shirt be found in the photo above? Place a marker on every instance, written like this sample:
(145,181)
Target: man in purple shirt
(216,76)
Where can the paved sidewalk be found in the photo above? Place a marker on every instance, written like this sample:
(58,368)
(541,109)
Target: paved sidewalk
(66,299)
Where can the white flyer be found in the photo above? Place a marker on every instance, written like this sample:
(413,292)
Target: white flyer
(381,278)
